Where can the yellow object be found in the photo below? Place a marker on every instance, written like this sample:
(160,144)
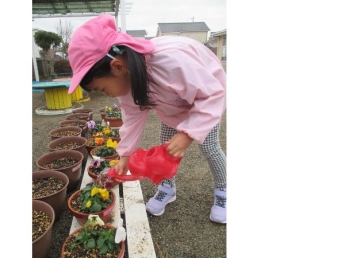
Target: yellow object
(77,94)
(57,98)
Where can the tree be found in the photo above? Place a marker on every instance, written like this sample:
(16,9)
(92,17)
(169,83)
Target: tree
(48,40)
(65,32)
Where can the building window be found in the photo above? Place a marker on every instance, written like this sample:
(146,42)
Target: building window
(224,49)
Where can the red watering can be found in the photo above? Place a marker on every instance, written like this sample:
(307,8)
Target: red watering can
(155,164)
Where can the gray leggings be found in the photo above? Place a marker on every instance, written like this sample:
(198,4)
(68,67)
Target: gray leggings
(211,150)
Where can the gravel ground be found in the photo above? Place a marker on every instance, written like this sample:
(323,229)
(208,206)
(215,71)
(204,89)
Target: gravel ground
(184,230)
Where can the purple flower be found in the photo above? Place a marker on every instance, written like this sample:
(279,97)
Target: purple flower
(95,163)
(91,124)
(115,107)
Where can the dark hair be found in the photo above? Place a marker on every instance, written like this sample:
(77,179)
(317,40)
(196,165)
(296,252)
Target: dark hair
(138,74)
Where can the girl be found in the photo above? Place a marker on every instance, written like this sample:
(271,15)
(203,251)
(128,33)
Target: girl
(177,77)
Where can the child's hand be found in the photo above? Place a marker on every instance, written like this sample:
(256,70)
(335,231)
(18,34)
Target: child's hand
(122,167)
(178,144)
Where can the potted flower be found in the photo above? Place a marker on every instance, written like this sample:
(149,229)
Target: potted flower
(92,199)
(113,116)
(103,130)
(107,151)
(96,141)
(98,170)
(95,239)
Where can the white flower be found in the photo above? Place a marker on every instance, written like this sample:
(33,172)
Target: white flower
(95,220)
(120,232)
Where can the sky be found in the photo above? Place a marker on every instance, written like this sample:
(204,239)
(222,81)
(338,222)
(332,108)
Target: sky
(145,15)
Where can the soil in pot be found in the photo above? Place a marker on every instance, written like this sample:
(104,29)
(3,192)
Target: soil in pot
(71,250)
(65,131)
(43,217)
(68,162)
(88,111)
(50,186)
(78,116)
(80,123)
(69,143)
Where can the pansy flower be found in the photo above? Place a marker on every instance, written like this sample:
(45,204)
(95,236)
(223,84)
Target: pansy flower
(114,162)
(99,140)
(111,143)
(104,193)
(91,124)
(95,163)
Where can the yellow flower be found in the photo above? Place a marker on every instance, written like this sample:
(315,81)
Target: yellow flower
(114,162)
(94,191)
(104,193)
(88,204)
(111,143)
(98,134)
(106,130)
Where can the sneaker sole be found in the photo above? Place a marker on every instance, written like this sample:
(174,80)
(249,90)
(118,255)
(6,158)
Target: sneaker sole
(217,221)
(160,213)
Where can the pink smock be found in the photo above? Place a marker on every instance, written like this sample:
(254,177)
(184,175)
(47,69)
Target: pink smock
(190,91)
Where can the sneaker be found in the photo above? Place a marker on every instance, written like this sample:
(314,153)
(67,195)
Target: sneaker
(218,210)
(163,196)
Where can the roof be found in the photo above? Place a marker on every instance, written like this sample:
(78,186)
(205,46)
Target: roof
(136,33)
(182,26)
(49,7)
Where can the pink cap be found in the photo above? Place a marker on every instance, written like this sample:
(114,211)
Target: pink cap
(92,41)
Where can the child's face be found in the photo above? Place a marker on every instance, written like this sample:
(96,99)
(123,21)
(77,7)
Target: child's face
(113,86)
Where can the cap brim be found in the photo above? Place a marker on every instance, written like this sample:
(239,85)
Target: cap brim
(77,77)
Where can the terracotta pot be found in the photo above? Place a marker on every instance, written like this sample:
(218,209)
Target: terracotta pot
(57,199)
(73,234)
(76,131)
(93,151)
(88,111)
(82,217)
(41,246)
(73,172)
(109,182)
(69,139)
(78,116)
(81,123)
(113,122)
(89,148)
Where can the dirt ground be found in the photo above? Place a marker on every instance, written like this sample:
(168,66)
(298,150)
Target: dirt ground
(184,230)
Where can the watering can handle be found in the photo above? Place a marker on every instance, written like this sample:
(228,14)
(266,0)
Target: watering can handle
(112,173)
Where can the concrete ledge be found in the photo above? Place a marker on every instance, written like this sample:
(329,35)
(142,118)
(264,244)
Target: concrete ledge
(44,111)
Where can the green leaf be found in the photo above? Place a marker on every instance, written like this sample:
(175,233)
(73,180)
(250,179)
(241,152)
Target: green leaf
(91,243)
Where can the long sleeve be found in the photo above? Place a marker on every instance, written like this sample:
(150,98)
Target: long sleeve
(133,125)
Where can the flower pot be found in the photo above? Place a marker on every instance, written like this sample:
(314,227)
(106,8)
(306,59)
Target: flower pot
(88,111)
(55,198)
(81,123)
(93,155)
(73,171)
(113,122)
(103,180)
(66,251)
(69,143)
(65,131)
(82,217)
(41,245)
(78,116)
(89,147)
